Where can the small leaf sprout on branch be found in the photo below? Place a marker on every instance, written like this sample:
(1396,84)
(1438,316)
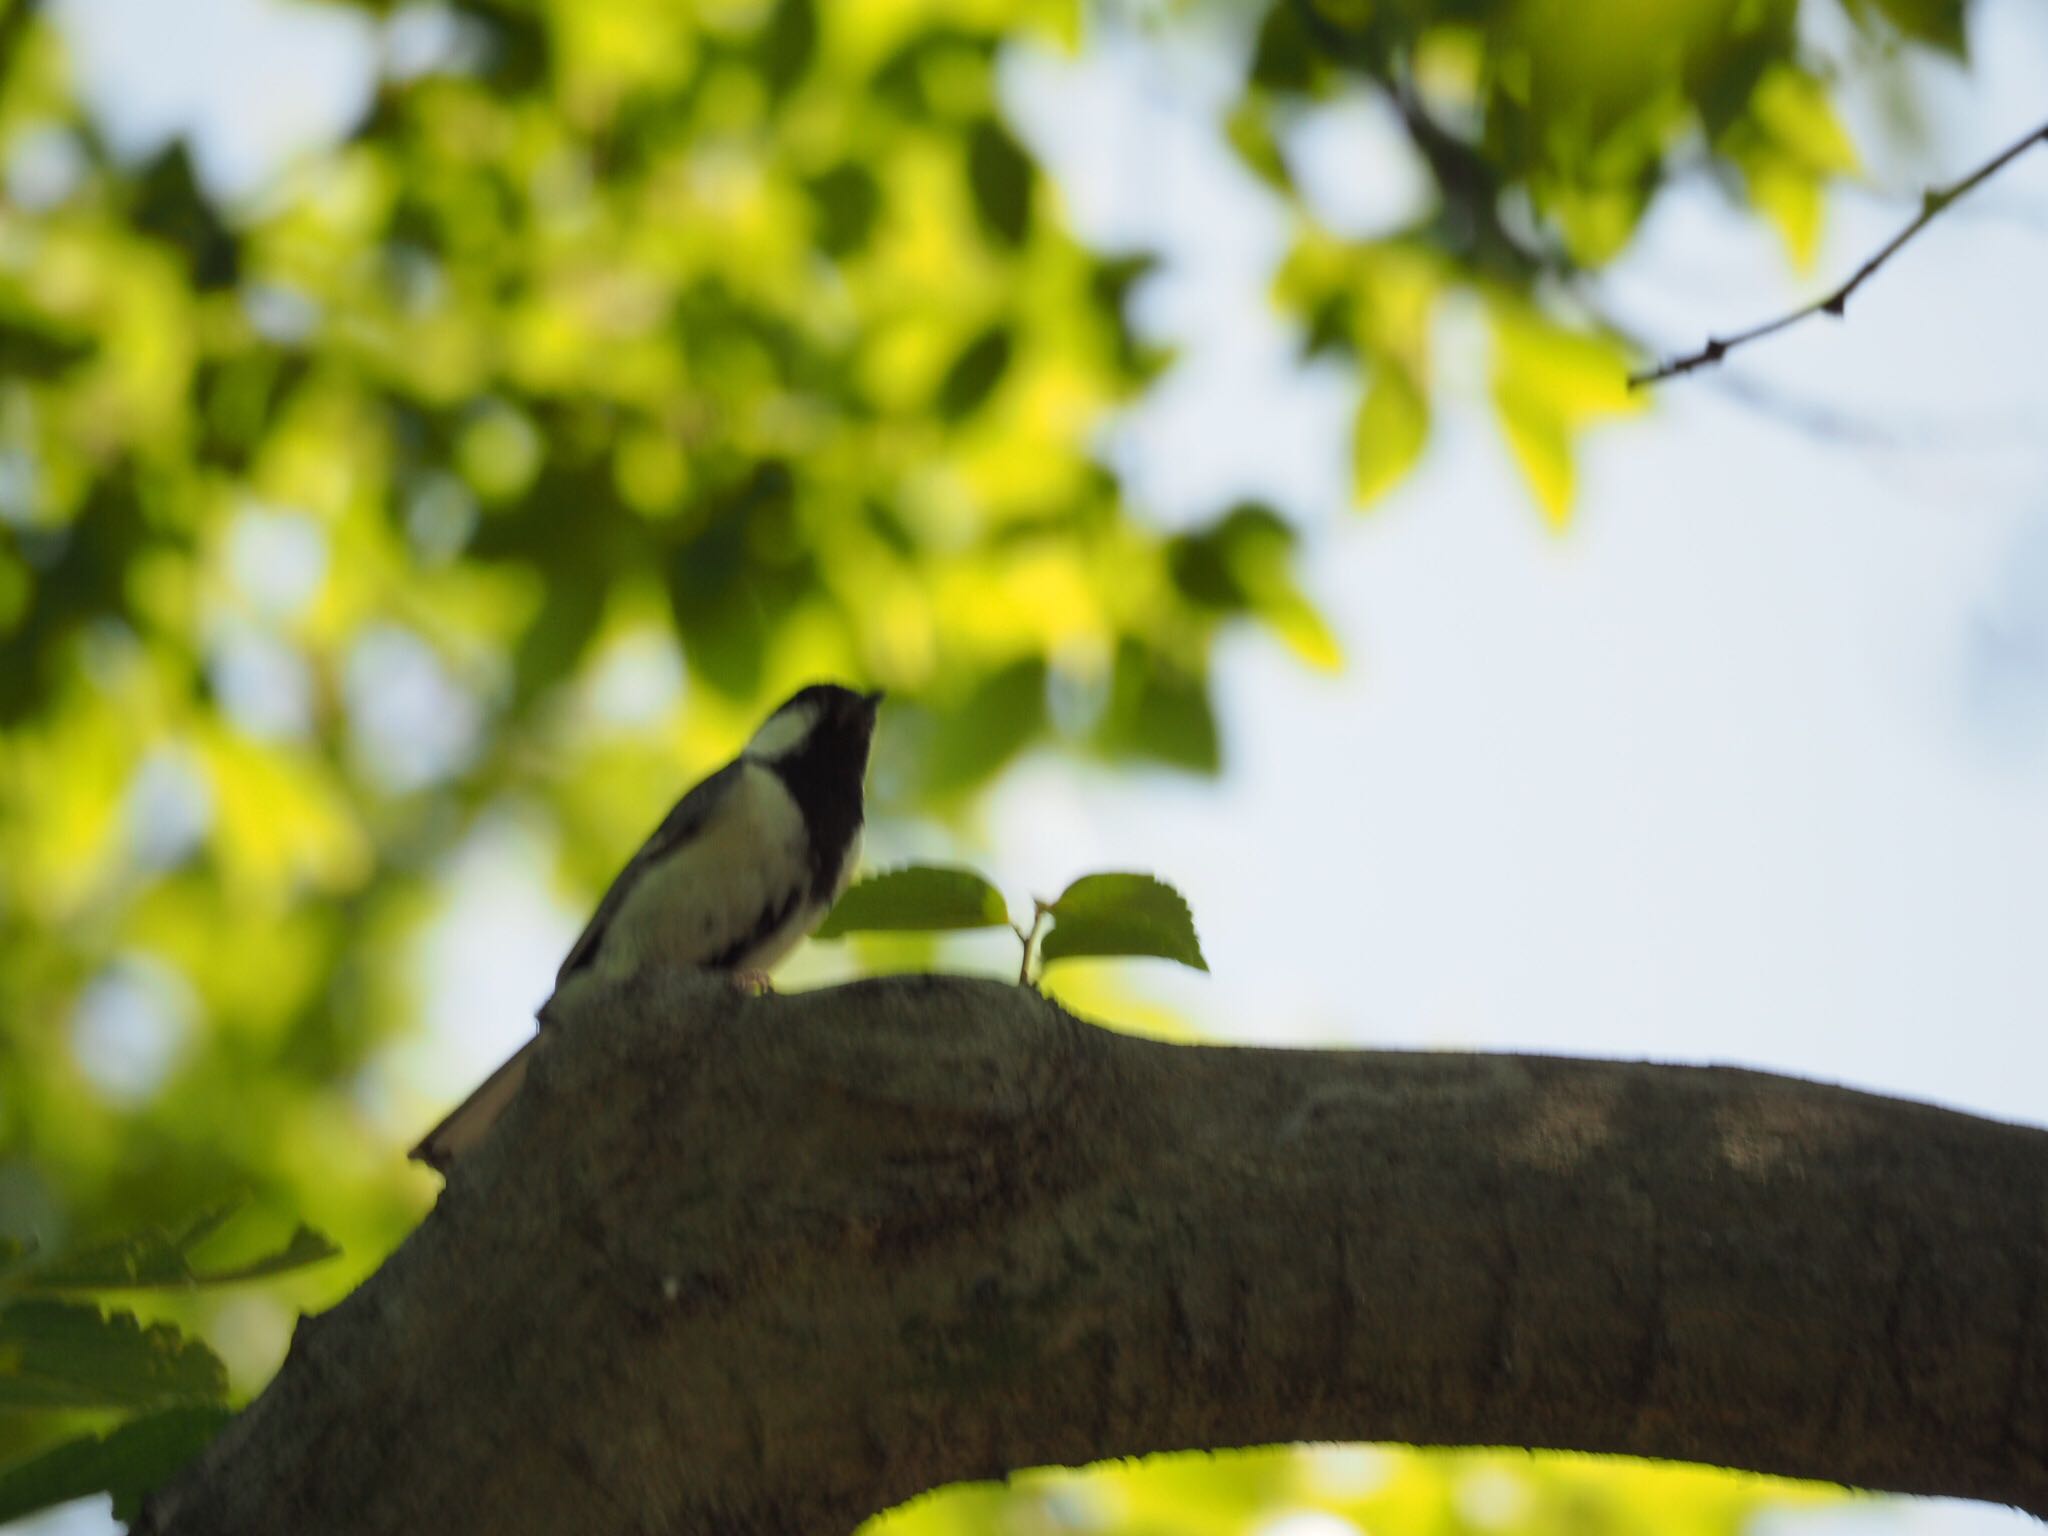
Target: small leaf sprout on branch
(1103,915)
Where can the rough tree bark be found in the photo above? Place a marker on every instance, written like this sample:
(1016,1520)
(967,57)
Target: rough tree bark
(773,1264)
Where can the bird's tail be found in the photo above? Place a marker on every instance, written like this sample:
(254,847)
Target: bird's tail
(471,1120)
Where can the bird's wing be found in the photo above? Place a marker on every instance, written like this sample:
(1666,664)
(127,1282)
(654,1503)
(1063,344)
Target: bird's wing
(683,822)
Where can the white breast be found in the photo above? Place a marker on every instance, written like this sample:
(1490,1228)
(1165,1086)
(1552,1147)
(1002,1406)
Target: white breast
(748,861)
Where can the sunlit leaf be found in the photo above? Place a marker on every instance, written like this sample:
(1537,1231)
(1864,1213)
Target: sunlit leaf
(127,1463)
(1792,107)
(1789,195)
(1250,131)
(1122,914)
(1391,430)
(1548,384)
(1543,450)
(1792,145)
(1305,632)
(920,898)
(1598,222)
(61,1354)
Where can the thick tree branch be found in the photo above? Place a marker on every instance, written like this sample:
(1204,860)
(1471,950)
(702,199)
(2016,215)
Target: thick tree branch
(1932,203)
(773,1264)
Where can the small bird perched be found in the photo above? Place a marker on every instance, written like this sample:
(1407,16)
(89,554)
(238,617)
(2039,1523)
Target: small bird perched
(734,878)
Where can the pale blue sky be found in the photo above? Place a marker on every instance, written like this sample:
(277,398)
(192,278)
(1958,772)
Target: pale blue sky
(1751,767)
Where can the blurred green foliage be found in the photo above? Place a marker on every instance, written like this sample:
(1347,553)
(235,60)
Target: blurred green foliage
(1352,1490)
(63,1355)
(745,334)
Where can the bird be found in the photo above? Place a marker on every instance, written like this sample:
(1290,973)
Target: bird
(739,872)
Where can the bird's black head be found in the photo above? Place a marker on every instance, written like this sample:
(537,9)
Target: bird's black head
(817,743)
(821,720)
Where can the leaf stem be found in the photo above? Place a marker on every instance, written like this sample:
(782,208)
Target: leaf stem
(1040,912)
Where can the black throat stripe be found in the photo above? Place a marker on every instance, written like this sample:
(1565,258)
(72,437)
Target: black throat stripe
(827,791)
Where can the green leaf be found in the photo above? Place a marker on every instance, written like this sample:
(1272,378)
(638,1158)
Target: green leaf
(975,373)
(169,203)
(139,1261)
(518,50)
(1159,710)
(1548,383)
(1244,563)
(1284,58)
(788,44)
(62,1354)
(1792,108)
(128,1462)
(742,576)
(1938,23)
(1122,915)
(1249,128)
(1543,449)
(848,200)
(306,1246)
(1791,146)
(1109,285)
(1392,427)
(38,350)
(208,1221)
(1000,172)
(977,737)
(922,898)
(1217,566)
(157,1260)
(16,1256)
(1789,195)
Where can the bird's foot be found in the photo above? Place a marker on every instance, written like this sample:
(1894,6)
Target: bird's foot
(754,983)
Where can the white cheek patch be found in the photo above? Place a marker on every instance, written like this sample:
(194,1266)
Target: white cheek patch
(784,732)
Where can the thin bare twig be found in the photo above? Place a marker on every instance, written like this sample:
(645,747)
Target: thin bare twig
(1932,203)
